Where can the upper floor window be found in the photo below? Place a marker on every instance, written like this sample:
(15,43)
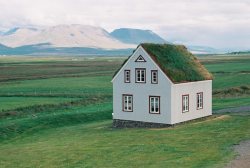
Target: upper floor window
(154,104)
(127,103)
(140,75)
(185,103)
(199,98)
(127,76)
(154,76)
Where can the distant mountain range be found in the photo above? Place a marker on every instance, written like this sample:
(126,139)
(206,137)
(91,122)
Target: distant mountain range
(78,40)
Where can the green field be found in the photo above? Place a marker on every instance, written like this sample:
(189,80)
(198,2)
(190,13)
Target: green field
(56,112)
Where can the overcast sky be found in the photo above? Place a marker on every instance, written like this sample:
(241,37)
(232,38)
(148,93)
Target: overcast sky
(215,23)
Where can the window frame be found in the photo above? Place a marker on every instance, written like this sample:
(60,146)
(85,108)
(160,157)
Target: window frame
(159,105)
(152,72)
(138,59)
(185,110)
(123,102)
(125,76)
(140,69)
(199,103)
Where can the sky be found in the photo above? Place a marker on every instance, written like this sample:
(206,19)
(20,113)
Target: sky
(222,24)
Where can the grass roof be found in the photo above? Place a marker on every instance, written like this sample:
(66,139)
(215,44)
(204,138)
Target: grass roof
(177,62)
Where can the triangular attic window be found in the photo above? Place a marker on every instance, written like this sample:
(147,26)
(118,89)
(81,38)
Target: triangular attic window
(140,59)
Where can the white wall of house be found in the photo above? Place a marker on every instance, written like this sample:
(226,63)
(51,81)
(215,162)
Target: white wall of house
(191,88)
(142,91)
(171,111)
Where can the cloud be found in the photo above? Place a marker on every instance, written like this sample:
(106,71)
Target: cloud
(220,24)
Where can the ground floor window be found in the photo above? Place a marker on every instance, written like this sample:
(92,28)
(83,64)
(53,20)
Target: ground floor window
(154,104)
(127,103)
(185,103)
(199,98)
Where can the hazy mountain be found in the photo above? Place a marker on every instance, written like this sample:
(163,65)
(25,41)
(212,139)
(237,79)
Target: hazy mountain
(136,36)
(63,36)
(202,49)
(80,40)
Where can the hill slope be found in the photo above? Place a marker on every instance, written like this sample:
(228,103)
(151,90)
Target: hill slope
(136,36)
(63,36)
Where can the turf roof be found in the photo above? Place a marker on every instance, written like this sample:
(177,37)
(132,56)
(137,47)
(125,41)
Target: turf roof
(177,62)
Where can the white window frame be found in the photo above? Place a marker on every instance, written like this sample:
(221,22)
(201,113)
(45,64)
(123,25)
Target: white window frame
(154,104)
(154,76)
(199,100)
(127,103)
(185,103)
(140,74)
(126,76)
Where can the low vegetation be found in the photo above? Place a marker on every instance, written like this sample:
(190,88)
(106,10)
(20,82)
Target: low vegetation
(59,114)
(177,62)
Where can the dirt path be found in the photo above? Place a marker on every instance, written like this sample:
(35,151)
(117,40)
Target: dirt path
(243,158)
(233,110)
(243,149)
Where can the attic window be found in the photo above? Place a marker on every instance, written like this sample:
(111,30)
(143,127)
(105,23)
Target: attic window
(140,75)
(140,59)
(127,76)
(154,76)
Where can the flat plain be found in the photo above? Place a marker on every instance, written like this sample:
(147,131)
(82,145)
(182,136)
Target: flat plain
(56,112)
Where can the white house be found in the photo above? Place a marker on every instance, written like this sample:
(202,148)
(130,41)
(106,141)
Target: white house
(160,85)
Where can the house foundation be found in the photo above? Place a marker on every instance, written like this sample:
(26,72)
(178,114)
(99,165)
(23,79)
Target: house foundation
(137,124)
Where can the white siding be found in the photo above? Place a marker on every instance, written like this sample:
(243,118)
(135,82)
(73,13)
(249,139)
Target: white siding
(170,94)
(142,91)
(191,88)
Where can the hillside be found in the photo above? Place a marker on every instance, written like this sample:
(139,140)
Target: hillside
(136,36)
(63,36)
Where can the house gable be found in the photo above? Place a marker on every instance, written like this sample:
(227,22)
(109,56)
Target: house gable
(139,53)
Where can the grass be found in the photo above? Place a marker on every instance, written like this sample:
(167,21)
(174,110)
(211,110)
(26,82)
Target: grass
(56,112)
(221,103)
(48,119)
(201,144)
(53,86)
(9,103)
(177,62)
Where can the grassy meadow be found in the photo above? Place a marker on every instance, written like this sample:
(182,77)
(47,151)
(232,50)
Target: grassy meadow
(56,112)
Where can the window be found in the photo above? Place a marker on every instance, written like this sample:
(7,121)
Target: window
(199,98)
(127,103)
(127,76)
(185,103)
(140,59)
(140,75)
(154,76)
(154,104)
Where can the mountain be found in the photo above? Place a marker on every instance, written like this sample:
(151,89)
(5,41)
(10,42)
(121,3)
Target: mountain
(202,49)
(79,40)
(63,36)
(136,36)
